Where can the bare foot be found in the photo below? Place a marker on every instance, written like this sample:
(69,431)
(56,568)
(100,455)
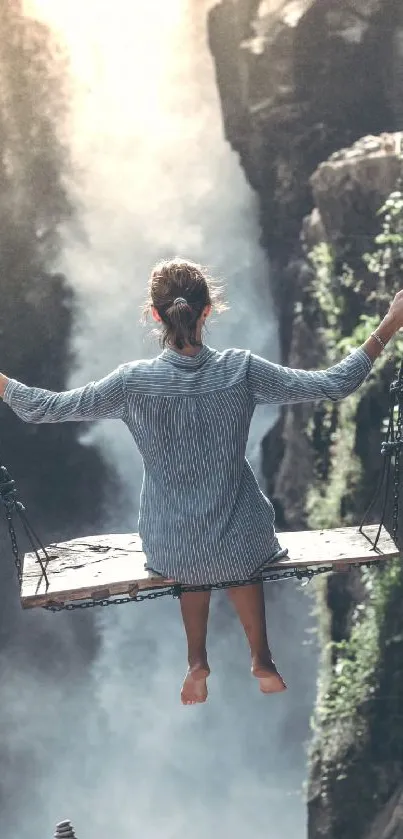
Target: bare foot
(194,688)
(270,680)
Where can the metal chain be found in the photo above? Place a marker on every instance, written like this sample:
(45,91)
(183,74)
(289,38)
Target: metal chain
(89,604)
(396,471)
(14,544)
(390,447)
(304,575)
(8,495)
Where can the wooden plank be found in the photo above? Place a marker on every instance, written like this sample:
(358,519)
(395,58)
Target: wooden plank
(104,566)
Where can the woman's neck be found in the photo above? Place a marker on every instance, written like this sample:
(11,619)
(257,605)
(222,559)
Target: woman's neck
(188,349)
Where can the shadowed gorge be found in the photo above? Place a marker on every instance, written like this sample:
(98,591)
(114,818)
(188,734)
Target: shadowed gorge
(37,302)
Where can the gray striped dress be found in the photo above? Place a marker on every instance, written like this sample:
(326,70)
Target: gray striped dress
(203,518)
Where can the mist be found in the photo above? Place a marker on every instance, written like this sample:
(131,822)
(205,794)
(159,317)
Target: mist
(111,747)
(154,178)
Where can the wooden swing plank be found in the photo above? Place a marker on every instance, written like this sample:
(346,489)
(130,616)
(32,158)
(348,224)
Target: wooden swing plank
(105,566)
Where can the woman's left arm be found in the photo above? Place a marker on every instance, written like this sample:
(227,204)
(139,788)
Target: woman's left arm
(102,399)
(283,385)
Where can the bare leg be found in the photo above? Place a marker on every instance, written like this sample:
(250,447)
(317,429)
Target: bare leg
(195,610)
(249,604)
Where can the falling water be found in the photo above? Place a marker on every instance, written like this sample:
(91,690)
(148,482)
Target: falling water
(153,177)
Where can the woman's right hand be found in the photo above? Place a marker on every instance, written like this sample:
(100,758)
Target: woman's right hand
(390,324)
(395,313)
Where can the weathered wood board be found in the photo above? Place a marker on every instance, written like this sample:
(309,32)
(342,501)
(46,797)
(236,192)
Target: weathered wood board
(106,566)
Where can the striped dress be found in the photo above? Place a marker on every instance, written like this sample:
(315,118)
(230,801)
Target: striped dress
(203,518)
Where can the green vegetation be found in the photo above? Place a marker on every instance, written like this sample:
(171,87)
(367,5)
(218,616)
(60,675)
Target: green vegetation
(334,294)
(357,669)
(358,732)
(358,736)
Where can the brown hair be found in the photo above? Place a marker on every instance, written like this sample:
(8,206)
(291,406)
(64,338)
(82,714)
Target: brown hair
(179,278)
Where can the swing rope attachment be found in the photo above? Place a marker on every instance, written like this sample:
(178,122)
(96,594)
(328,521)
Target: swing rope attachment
(12,505)
(391,470)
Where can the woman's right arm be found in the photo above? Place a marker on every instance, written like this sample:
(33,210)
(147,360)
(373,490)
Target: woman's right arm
(102,399)
(282,385)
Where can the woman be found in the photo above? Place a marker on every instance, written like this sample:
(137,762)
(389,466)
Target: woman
(203,518)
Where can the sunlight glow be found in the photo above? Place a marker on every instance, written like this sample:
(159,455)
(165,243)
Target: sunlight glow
(83,27)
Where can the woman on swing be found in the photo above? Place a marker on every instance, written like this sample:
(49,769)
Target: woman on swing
(203,518)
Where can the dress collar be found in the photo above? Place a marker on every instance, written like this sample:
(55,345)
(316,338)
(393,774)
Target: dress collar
(189,362)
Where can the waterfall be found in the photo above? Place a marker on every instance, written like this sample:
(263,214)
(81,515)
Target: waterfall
(153,177)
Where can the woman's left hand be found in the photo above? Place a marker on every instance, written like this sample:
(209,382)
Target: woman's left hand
(3,384)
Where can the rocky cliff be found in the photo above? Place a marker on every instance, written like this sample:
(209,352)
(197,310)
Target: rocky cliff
(300,81)
(58,478)
(36,302)
(356,769)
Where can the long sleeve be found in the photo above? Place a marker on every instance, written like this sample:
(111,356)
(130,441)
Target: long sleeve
(96,400)
(273,383)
